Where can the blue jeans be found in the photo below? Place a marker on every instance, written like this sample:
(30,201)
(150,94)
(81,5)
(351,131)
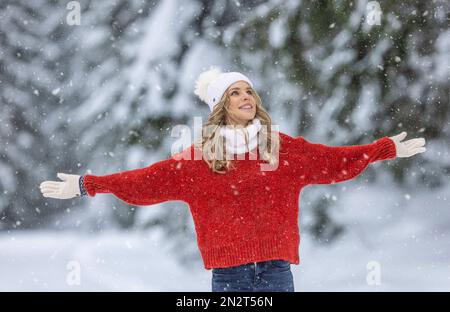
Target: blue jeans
(272,275)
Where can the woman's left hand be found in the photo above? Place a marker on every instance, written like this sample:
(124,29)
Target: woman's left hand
(408,148)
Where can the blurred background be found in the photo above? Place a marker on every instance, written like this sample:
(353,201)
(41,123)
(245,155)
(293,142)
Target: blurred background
(100,92)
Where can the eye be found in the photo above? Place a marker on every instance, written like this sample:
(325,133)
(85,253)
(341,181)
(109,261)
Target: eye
(233,92)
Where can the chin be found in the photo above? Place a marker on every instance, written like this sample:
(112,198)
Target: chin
(247,117)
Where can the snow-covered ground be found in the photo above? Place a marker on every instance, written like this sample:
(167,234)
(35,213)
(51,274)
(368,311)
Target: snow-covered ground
(405,235)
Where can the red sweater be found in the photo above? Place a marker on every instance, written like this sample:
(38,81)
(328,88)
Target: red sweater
(246,215)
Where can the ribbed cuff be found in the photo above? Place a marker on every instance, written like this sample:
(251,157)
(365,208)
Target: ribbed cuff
(89,185)
(81,184)
(385,148)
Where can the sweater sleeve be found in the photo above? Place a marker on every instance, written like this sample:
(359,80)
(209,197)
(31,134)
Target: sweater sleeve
(163,181)
(322,164)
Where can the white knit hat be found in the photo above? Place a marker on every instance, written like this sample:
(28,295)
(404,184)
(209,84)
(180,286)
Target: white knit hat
(211,85)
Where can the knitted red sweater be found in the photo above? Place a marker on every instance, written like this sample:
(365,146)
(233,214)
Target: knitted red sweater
(246,215)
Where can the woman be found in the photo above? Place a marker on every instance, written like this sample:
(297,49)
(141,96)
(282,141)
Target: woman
(246,218)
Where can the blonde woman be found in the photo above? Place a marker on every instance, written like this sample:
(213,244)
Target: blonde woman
(242,181)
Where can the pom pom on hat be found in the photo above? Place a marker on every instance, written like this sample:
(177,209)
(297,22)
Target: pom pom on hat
(203,81)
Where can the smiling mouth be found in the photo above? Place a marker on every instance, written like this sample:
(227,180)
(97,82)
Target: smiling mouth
(246,106)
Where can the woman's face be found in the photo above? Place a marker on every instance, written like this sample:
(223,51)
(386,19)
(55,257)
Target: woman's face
(242,106)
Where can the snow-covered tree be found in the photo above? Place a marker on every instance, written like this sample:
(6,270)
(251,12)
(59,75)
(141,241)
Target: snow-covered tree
(34,138)
(334,77)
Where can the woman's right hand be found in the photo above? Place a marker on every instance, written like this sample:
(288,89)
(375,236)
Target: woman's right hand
(69,188)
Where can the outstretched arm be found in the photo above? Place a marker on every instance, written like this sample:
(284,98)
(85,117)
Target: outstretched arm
(162,181)
(322,164)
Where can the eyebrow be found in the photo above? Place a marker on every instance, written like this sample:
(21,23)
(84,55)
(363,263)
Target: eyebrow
(248,88)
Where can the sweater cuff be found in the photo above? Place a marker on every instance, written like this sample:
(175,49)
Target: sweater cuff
(385,149)
(81,184)
(89,185)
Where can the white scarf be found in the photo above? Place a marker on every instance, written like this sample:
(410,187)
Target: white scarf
(241,140)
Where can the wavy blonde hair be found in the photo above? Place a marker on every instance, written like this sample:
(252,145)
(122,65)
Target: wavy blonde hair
(213,144)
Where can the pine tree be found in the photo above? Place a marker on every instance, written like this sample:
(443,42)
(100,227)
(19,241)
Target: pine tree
(335,79)
(32,73)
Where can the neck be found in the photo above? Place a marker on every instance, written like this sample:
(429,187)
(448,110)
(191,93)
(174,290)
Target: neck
(239,142)
(237,123)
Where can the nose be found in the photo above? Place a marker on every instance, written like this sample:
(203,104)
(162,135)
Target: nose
(246,96)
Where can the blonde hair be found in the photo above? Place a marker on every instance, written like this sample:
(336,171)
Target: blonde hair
(213,144)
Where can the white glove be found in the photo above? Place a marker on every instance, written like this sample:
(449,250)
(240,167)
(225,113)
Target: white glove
(69,188)
(408,148)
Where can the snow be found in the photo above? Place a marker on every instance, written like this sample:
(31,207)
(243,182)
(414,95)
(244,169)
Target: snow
(111,261)
(277,33)
(442,57)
